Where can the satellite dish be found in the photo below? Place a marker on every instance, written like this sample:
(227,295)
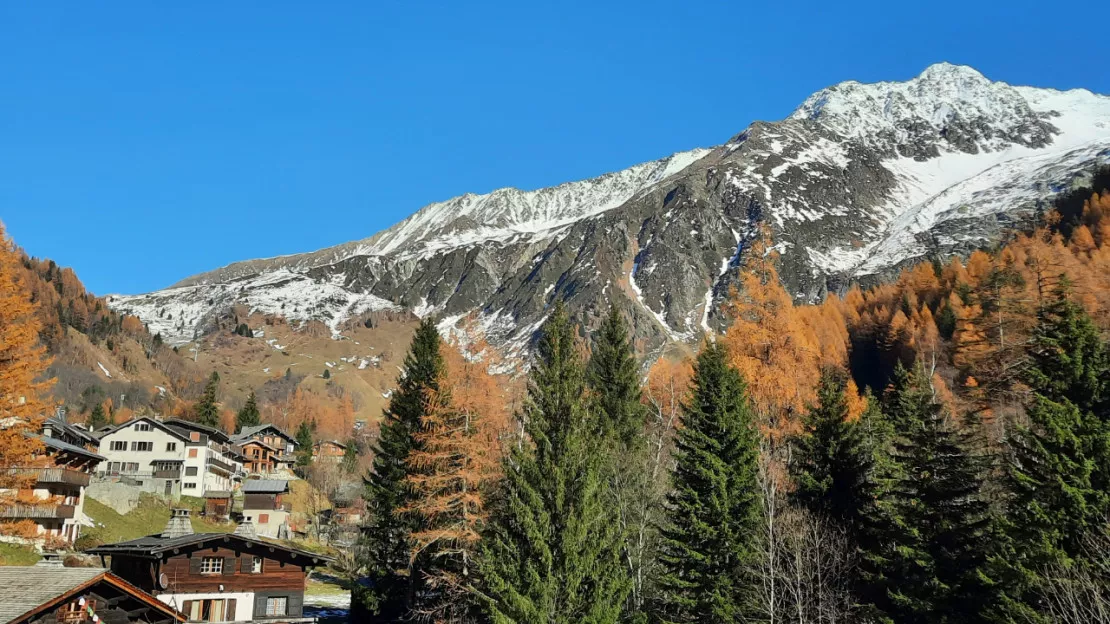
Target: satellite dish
(163,581)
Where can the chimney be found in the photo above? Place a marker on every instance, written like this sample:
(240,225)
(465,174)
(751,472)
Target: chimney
(246,529)
(179,525)
(50,560)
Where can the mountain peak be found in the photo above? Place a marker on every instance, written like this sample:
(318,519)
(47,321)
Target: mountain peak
(945,71)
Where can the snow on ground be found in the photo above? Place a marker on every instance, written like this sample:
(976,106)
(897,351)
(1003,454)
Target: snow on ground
(104,370)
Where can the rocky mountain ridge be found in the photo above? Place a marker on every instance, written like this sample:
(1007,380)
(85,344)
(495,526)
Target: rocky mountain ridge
(858,181)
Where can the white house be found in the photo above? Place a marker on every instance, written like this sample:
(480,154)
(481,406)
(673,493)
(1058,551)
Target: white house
(170,457)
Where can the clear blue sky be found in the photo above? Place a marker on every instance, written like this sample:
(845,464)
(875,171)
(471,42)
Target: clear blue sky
(141,144)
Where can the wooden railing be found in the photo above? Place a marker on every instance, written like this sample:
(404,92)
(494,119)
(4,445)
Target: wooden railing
(67,476)
(37,511)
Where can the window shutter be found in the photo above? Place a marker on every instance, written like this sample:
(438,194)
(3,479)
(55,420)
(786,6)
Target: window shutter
(229,565)
(229,614)
(245,563)
(294,606)
(194,565)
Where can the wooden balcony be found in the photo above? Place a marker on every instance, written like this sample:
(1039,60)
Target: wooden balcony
(38,511)
(47,476)
(173,473)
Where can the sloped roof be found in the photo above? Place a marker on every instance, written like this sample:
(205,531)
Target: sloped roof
(28,590)
(247,432)
(59,445)
(154,422)
(153,545)
(188,425)
(265,486)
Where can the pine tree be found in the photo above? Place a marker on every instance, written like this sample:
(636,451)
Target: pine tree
(349,463)
(1068,358)
(713,512)
(833,462)
(97,418)
(207,410)
(935,568)
(249,415)
(552,553)
(393,577)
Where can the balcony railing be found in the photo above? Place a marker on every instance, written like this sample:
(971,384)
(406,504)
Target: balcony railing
(222,465)
(174,473)
(38,511)
(45,476)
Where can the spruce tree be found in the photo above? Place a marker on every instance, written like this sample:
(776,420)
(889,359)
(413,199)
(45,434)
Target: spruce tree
(304,443)
(714,510)
(613,377)
(614,381)
(938,535)
(207,410)
(832,461)
(1058,472)
(97,418)
(392,578)
(249,415)
(552,550)
(349,463)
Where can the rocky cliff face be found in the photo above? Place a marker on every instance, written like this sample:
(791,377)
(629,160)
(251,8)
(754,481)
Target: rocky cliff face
(860,180)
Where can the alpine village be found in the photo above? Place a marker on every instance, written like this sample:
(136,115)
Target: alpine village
(925,441)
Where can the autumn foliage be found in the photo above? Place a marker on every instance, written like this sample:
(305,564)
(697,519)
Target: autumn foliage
(23,364)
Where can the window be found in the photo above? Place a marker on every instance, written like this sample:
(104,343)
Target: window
(212,565)
(142,446)
(189,486)
(142,427)
(191,471)
(119,445)
(211,610)
(276,605)
(263,518)
(192,452)
(171,446)
(131,467)
(256,565)
(194,436)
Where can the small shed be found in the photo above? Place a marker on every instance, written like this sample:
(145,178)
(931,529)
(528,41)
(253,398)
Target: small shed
(217,504)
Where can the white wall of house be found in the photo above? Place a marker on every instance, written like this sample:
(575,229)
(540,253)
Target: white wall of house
(244,602)
(119,447)
(274,519)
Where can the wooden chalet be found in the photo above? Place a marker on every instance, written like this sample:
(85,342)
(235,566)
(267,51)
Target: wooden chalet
(266,448)
(217,504)
(216,577)
(328,450)
(48,593)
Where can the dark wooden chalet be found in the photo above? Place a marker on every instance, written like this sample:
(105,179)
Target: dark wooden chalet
(216,577)
(51,594)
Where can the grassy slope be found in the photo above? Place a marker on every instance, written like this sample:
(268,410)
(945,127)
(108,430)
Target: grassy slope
(15,555)
(147,519)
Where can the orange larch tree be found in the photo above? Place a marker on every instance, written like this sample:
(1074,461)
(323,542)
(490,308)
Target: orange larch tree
(23,373)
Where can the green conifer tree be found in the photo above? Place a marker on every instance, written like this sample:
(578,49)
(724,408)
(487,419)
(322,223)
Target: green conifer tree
(613,378)
(714,510)
(305,443)
(207,410)
(248,416)
(392,577)
(937,534)
(97,418)
(349,463)
(552,551)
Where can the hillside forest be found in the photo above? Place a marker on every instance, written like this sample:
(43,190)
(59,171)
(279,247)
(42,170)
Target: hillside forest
(934,449)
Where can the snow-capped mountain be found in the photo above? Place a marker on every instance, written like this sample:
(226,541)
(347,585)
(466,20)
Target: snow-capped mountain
(858,181)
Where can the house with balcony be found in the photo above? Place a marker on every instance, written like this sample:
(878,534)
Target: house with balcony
(266,505)
(328,451)
(209,455)
(216,577)
(267,450)
(171,457)
(49,490)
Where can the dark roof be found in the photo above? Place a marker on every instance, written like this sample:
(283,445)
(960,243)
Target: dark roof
(265,486)
(217,494)
(248,432)
(258,442)
(59,422)
(335,442)
(66,447)
(212,432)
(155,545)
(26,590)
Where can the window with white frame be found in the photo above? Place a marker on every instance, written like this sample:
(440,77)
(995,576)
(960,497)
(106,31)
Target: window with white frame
(212,565)
(171,446)
(142,446)
(119,445)
(189,486)
(256,565)
(276,605)
(142,426)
